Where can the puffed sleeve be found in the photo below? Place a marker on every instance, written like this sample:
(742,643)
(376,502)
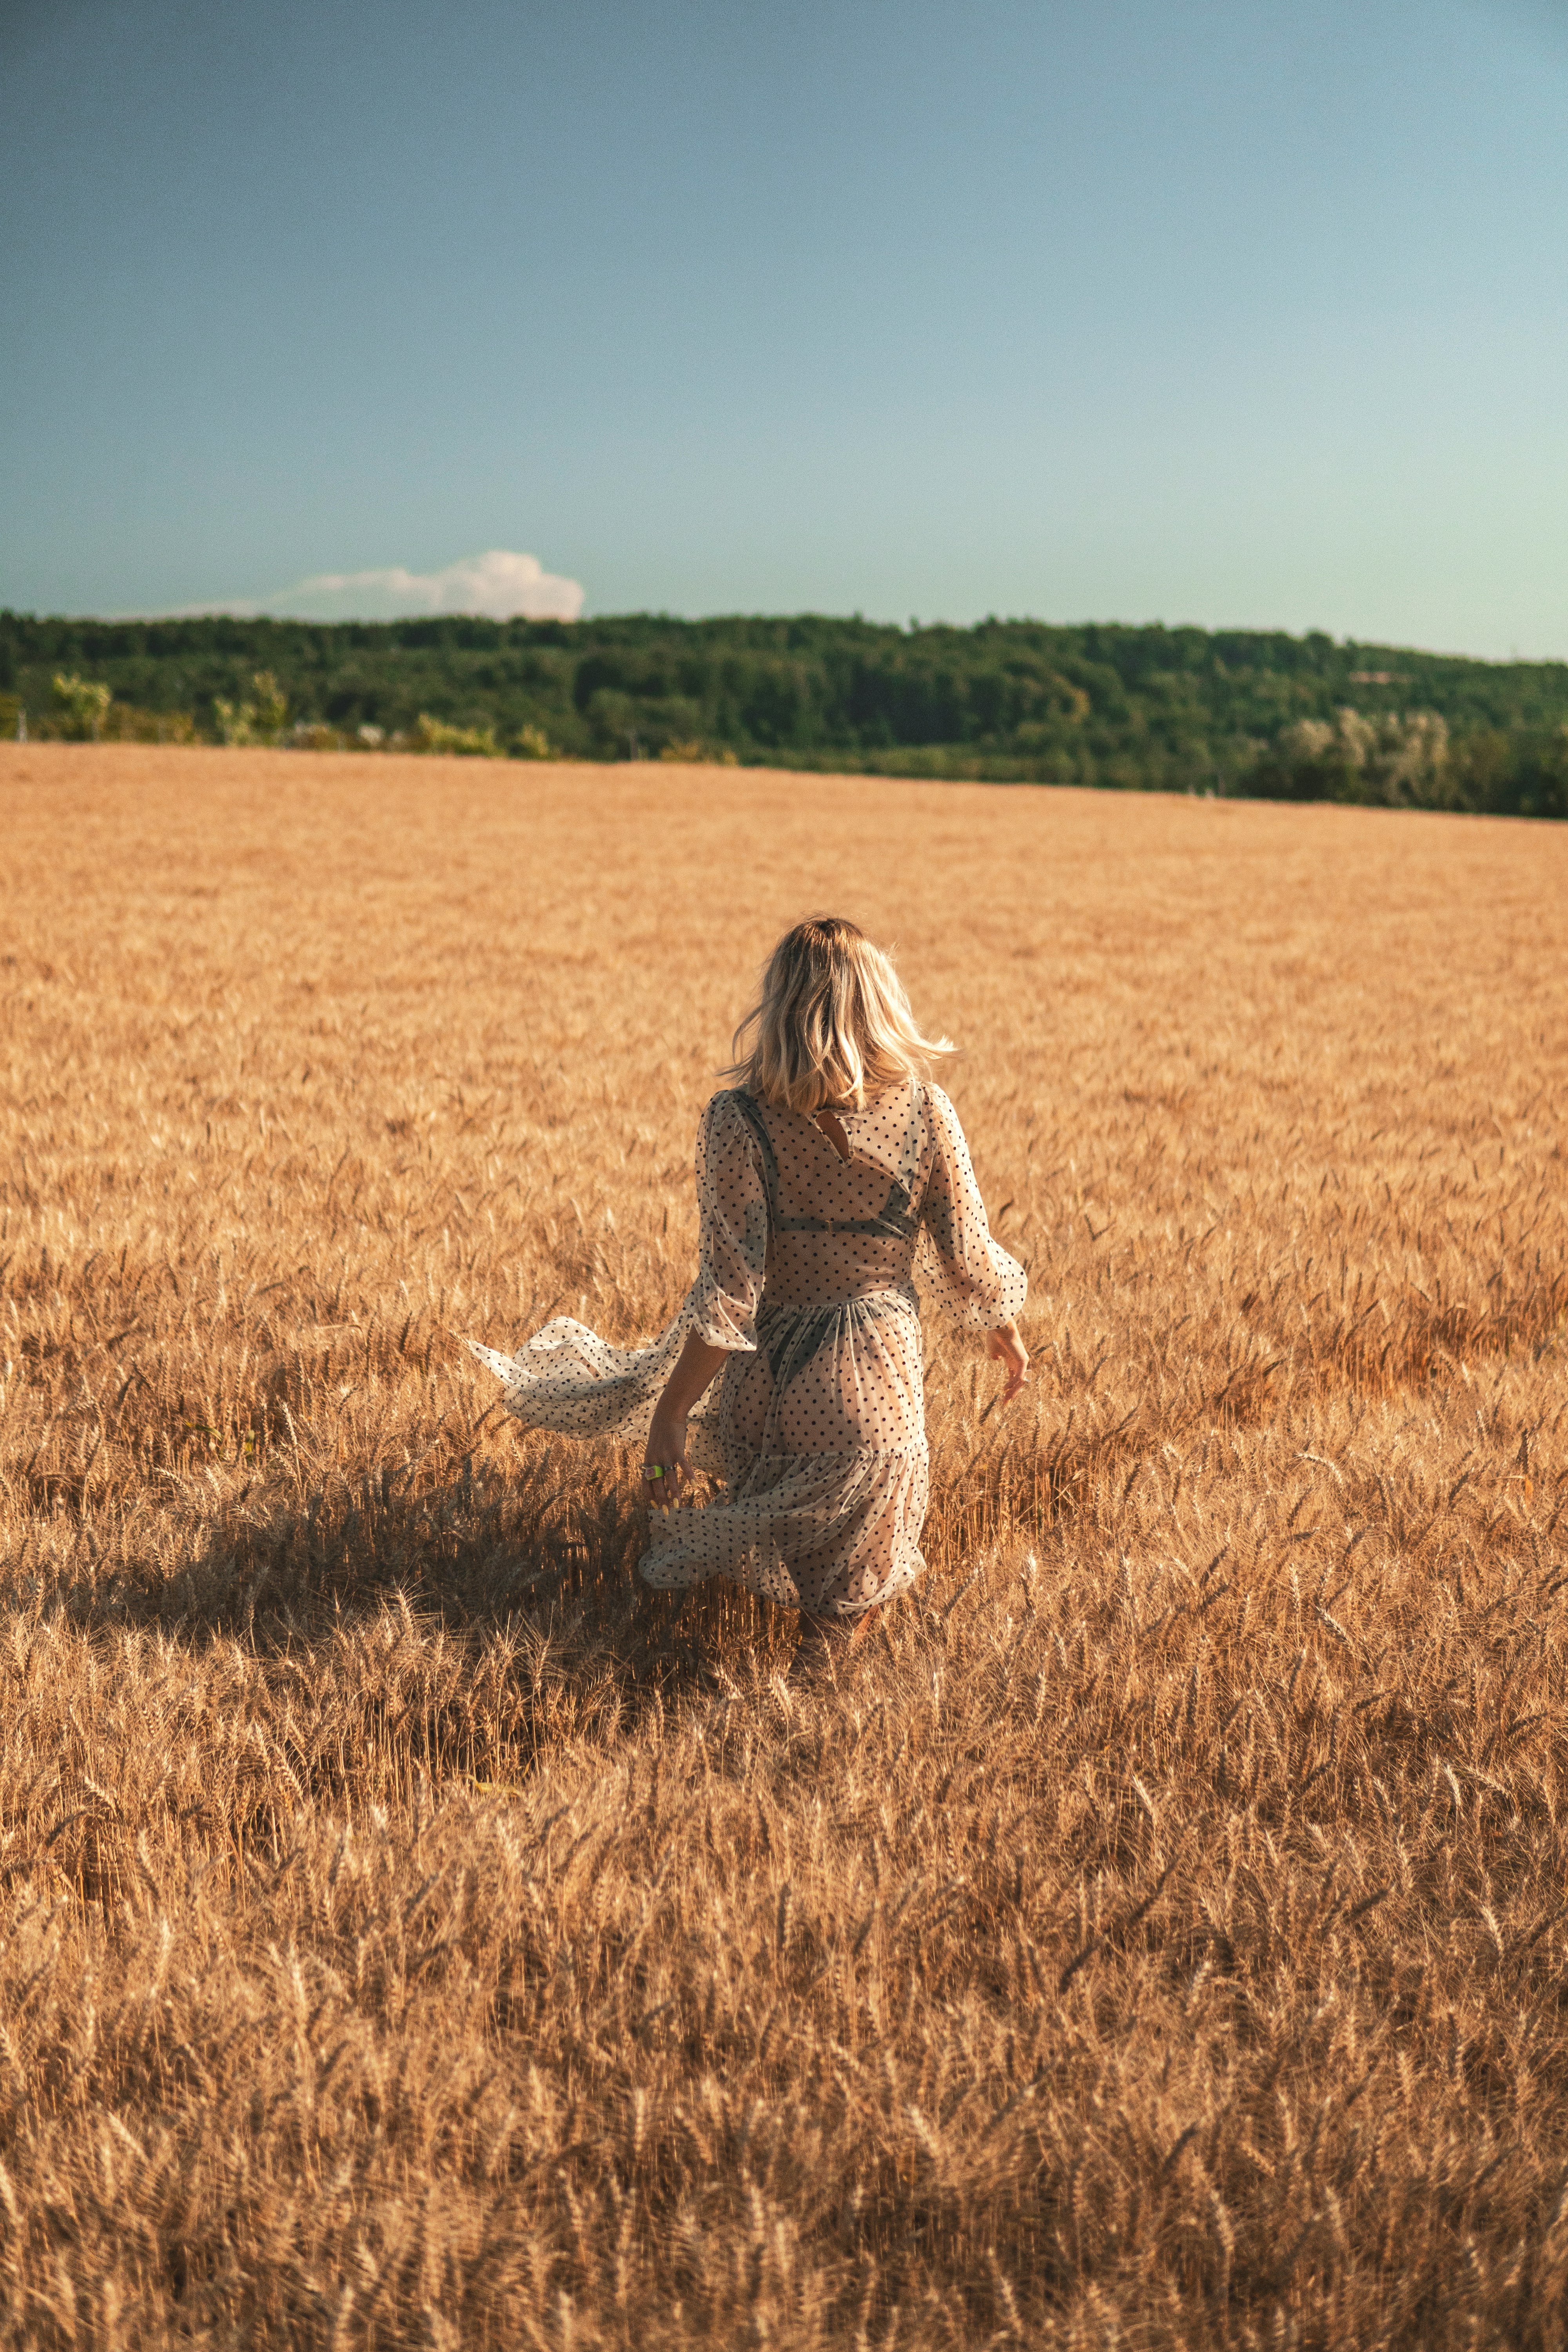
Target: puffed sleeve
(732,1206)
(960,1268)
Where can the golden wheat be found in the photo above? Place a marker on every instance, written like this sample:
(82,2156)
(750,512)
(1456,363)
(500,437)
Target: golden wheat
(415,1933)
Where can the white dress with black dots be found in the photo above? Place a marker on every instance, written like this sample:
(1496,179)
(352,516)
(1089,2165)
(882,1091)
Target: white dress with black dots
(812,1272)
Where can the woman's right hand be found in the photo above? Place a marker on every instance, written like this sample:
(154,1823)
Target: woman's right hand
(1006,1347)
(665,1451)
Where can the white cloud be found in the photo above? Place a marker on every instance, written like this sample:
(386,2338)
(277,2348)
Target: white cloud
(501,587)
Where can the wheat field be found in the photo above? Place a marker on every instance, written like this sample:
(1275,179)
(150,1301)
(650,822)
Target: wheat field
(415,1933)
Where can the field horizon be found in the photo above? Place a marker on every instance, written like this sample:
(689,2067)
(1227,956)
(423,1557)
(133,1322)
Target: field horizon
(413,1932)
(1245,713)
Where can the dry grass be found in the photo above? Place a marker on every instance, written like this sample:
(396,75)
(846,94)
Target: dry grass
(414,1934)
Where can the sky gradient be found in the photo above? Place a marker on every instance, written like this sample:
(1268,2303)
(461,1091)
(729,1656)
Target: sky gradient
(1150,310)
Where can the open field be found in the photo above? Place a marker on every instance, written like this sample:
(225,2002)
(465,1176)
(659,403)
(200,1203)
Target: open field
(414,1933)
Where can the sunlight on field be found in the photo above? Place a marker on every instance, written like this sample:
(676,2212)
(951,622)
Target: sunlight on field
(415,1933)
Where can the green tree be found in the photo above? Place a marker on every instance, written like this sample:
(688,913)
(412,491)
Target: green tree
(1396,759)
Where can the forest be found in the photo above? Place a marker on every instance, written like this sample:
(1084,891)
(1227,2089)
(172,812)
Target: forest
(1230,711)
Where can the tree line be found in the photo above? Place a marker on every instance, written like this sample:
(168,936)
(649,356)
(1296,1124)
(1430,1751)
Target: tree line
(1248,712)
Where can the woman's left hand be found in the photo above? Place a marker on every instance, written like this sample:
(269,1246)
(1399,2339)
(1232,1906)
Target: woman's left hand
(666,1453)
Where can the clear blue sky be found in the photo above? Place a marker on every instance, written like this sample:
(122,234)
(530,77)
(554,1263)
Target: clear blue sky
(1148,309)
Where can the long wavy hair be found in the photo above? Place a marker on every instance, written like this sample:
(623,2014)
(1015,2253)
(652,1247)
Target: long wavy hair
(832,1025)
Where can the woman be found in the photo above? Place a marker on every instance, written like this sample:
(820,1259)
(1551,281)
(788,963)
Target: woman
(835,1190)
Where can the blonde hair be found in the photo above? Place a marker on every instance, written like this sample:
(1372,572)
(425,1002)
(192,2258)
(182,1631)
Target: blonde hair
(832,1024)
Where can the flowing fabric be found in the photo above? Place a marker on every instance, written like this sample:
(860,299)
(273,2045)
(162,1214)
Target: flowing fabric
(812,1270)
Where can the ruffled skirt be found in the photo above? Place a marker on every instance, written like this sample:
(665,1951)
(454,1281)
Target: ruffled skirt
(818,1437)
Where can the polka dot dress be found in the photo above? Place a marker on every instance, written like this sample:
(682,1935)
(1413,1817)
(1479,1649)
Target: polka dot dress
(813,1266)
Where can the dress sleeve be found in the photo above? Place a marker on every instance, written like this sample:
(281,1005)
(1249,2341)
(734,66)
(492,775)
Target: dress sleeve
(732,1207)
(959,1266)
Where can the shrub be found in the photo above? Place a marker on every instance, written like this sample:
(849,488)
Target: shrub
(532,743)
(260,720)
(83,706)
(125,723)
(466,742)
